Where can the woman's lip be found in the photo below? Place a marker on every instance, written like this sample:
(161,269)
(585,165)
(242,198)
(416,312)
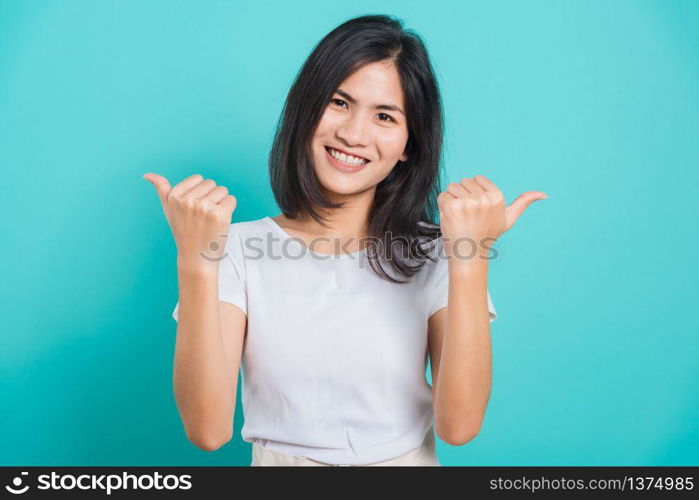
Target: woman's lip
(347,153)
(342,166)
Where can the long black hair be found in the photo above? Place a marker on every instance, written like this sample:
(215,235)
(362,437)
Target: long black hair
(405,204)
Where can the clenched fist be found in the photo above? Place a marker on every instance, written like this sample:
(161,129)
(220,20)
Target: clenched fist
(473,215)
(199,214)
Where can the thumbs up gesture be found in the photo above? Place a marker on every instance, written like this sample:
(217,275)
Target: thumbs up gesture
(199,214)
(473,215)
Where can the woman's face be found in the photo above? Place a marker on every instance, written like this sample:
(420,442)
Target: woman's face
(365,118)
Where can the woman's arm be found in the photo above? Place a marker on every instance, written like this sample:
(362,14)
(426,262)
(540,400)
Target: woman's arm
(472,211)
(209,334)
(208,350)
(460,354)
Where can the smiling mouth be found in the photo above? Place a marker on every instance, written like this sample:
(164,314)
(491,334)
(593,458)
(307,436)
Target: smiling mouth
(349,160)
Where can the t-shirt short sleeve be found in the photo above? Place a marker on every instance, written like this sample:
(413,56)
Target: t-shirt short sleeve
(440,287)
(231,273)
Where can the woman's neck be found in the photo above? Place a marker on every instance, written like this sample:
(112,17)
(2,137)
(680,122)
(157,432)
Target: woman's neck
(351,221)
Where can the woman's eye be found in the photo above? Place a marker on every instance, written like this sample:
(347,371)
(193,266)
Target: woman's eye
(382,116)
(340,101)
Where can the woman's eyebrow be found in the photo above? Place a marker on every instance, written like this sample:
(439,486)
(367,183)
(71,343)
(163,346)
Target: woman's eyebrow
(389,107)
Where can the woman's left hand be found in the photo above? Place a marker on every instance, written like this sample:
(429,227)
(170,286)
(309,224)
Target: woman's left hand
(473,214)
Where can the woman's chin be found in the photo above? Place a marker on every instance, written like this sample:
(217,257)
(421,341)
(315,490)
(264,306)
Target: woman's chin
(334,191)
(338,190)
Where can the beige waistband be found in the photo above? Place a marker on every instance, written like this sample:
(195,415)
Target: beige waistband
(424,455)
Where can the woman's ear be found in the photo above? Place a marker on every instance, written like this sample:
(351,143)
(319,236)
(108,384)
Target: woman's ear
(403,157)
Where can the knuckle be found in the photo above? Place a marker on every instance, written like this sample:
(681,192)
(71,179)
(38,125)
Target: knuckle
(219,216)
(189,203)
(472,202)
(453,205)
(207,209)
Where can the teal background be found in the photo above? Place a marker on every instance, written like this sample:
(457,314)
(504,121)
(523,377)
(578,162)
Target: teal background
(595,103)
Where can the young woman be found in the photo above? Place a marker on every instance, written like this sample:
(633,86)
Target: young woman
(333,307)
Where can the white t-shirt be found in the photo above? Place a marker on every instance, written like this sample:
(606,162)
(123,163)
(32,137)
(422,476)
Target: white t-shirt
(334,362)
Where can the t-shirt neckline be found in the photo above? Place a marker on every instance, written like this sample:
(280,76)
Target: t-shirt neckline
(295,239)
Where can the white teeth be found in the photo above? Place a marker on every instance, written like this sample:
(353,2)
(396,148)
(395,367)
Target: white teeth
(348,159)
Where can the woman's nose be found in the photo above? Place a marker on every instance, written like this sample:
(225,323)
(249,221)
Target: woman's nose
(353,130)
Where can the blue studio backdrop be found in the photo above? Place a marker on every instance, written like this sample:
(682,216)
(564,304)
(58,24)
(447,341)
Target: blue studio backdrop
(596,103)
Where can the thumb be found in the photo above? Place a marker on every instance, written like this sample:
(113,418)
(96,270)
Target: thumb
(162,186)
(517,207)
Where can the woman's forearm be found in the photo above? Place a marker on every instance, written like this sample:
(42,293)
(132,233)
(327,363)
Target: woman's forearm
(463,386)
(204,382)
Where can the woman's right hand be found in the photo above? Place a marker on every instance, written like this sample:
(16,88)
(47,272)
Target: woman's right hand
(199,214)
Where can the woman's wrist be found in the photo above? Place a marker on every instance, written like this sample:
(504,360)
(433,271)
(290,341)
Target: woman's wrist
(196,267)
(475,266)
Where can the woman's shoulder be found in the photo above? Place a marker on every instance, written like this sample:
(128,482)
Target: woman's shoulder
(255,226)
(239,232)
